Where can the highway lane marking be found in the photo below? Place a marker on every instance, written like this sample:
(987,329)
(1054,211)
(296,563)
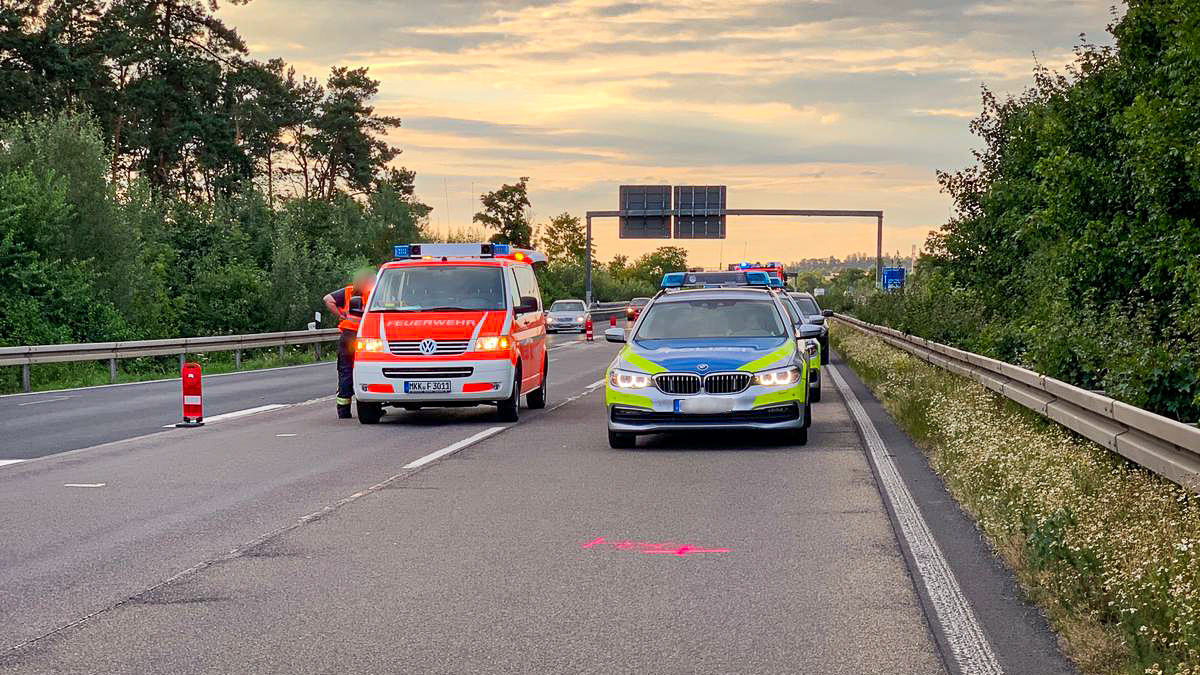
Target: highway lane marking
(595,384)
(454,447)
(966,638)
(238,413)
(45,400)
(85,485)
(284,435)
(7,462)
(242,549)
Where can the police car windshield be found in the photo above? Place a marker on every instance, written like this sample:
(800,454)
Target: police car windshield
(567,306)
(444,288)
(711,318)
(807,305)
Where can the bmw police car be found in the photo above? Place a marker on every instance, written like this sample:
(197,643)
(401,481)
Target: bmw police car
(709,354)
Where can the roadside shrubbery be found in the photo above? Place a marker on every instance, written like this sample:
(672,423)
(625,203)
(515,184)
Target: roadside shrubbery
(1111,551)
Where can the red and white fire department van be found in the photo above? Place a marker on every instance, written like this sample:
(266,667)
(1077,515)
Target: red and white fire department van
(452,325)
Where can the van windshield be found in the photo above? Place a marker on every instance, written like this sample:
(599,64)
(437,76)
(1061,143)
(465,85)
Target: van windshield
(440,288)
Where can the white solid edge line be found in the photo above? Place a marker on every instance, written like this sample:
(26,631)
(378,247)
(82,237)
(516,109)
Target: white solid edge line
(85,485)
(8,462)
(967,640)
(238,413)
(454,447)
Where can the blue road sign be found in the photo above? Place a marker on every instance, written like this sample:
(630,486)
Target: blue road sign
(893,278)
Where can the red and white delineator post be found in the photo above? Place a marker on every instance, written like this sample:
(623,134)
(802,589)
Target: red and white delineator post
(587,328)
(193,396)
(612,321)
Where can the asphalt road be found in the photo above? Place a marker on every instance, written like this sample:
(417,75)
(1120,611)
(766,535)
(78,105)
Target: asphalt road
(291,542)
(45,423)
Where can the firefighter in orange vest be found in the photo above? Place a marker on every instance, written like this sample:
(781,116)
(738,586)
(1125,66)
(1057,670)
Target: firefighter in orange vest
(348,304)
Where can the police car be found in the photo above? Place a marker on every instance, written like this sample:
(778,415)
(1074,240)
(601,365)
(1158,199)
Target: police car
(812,344)
(713,350)
(452,325)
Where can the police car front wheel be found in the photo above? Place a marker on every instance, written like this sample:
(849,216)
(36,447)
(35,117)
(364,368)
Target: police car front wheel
(619,439)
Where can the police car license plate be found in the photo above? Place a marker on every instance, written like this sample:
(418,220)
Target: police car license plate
(430,387)
(703,405)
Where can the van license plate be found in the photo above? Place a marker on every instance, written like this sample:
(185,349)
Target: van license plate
(430,387)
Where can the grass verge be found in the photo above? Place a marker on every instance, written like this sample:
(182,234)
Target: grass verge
(51,376)
(1110,551)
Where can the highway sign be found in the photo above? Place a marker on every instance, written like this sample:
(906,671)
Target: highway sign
(645,212)
(893,278)
(818,292)
(699,211)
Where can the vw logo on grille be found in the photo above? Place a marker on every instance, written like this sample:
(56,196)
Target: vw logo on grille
(427,346)
(702,367)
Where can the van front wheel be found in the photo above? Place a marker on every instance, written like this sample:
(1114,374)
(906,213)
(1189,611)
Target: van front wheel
(507,410)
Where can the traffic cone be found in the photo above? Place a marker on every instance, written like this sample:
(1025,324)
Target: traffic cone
(587,327)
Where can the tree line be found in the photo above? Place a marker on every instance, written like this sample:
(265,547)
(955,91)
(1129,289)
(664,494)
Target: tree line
(156,181)
(1074,247)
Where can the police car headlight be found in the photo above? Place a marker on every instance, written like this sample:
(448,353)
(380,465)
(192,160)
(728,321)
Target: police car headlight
(370,345)
(493,343)
(627,380)
(777,377)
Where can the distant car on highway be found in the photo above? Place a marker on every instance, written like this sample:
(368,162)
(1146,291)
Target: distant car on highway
(708,358)
(567,315)
(634,310)
(815,315)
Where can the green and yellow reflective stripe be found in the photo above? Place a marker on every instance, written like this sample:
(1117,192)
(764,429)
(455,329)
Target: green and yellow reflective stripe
(770,359)
(642,362)
(342,401)
(612,396)
(798,393)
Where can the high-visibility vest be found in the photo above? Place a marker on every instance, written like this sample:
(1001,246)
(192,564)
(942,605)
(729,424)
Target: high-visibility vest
(352,322)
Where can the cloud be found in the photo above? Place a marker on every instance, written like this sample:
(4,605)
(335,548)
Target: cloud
(825,102)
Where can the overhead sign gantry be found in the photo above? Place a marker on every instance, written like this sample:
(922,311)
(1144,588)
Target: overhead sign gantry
(699,212)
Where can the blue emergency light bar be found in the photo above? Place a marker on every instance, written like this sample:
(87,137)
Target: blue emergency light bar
(758,278)
(405,251)
(776,282)
(672,280)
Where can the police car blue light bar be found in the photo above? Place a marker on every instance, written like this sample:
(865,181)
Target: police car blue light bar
(672,280)
(776,282)
(757,278)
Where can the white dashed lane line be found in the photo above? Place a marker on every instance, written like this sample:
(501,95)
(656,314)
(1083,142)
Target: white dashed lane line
(44,400)
(238,413)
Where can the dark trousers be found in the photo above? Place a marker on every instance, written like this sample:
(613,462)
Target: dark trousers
(345,368)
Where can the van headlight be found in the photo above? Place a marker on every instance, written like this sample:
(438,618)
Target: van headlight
(493,343)
(370,345)
(627,380)
(777,377)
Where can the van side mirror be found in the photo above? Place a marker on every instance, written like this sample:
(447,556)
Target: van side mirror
(614,334)
(827,312)
(528,304)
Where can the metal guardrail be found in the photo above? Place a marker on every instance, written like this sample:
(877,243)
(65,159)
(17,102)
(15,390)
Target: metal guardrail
(112,351)
(1165,446)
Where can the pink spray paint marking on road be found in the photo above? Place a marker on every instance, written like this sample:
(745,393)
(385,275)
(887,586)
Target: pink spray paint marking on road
(667,547)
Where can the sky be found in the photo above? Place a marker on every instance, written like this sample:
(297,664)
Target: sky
(799,104)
